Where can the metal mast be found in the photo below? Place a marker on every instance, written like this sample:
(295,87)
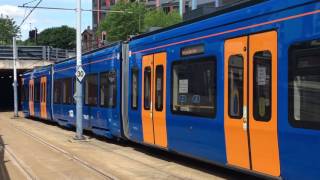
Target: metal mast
(15,83)
(79,98)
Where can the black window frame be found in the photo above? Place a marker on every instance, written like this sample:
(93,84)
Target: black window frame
(159,67)
(108,73)
(69,96)
(254,108)
(37,91)
(97,90)
(240,116)
(192,60)
(147,69)
(57,100)
(135,72)
(296,51)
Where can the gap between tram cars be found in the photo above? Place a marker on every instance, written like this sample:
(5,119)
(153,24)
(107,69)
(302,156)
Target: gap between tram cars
(240,88)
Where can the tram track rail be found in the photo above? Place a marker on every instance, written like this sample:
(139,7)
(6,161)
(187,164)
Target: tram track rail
(75,158)
(114,151)
(20,164)
(132,159)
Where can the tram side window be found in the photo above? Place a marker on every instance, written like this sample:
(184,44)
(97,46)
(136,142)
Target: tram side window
(74,90)
(159,88)
(42,89)
(37,91)
(262,85)
(108,89)
(235,86)
(134,88)
(91,90)
(24,93)
(57,92)
(66,90)
(304,85)
(147,88)
(194,87)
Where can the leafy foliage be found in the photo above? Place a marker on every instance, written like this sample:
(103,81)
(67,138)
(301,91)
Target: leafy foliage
(135,19)
(8,29)
(120,25)
(158,18)
(58,37)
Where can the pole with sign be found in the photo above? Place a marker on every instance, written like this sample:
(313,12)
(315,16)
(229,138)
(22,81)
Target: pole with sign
(15,82)
(79,75)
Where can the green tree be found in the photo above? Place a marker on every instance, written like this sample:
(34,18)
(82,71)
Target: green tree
(158,18)
(120,25)
(8,29)
(59,37)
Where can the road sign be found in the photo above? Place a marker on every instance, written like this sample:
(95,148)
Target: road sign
(80,74)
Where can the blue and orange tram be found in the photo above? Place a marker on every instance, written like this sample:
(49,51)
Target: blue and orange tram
(238,88)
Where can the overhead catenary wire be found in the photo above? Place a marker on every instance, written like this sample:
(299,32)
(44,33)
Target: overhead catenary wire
(25,18)
(73,9)
(25,12)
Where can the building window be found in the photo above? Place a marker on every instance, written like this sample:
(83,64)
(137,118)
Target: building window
(108,89)
(194,87)
(91,90)
(159,88)
(147,88)
(235,86)
(304,85)
(134,88)
(262,86)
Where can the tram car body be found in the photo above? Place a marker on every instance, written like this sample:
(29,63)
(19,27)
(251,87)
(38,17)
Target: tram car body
(25,93)
(238,88)
(101,91)
(37,86)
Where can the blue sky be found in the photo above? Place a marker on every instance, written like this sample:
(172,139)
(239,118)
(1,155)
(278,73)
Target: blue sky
(42,19)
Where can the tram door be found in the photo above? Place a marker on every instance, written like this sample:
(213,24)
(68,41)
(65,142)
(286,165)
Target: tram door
(251,103)
(43,98)
(154,99)
(31,97)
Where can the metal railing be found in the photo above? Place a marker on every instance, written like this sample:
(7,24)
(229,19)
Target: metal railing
(36,53)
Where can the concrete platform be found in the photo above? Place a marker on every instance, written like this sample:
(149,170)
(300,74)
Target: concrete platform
(31,149)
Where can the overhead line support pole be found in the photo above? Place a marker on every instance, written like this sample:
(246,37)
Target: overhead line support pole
(15,82)
(79,99)
(181,8)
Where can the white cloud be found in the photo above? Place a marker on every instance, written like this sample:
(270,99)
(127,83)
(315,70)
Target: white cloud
(11,11)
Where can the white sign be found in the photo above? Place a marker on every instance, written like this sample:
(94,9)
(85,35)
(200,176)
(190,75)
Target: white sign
(80,74)
(183,86)
(262,76)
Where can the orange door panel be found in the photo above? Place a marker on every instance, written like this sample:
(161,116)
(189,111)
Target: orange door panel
(147,116)
(43,103)
(159,99)
(235,106)
(263,103)
(31,95)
